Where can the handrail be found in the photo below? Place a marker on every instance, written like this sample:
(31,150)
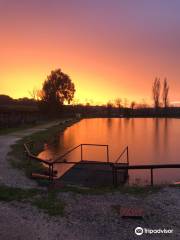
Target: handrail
(126,149)
(149,166)
(53,161)
(91,144)
(81,145)
(35,157)
(66,153)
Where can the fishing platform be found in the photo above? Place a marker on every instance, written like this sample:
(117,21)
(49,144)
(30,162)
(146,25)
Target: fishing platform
(84,172)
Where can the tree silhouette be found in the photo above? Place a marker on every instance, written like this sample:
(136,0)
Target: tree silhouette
(5,99)
(57,89)
(165,93)
(109,108)
(133,104)
(118,102)
(156,92)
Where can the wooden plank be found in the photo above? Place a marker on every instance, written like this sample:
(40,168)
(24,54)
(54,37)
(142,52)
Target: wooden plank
(41,176)
(131,212)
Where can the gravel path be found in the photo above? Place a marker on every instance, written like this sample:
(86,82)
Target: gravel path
(90,217)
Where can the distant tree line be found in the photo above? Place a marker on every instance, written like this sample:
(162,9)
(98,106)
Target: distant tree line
(7,100)
(56,99)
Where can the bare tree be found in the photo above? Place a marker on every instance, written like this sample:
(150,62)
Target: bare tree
(125,102)
(36,94)
(156,92)
(118,102)
(165,93)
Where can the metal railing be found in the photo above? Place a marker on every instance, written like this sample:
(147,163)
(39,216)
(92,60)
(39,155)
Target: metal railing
(125,151)
(115,166)
(57,160)
(60,160)
(151,167)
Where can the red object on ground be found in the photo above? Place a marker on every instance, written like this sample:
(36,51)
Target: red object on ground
(131,212)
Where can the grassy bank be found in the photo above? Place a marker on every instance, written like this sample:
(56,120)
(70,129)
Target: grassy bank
(4,131)
(7,130)
(131,190)
(46,201)
(49,202)
(17,156)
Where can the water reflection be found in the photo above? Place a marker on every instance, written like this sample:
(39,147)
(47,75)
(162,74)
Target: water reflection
(156,136)
(166,134)
(149,140)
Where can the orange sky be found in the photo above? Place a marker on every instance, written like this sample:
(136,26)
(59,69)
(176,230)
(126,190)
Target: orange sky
(109,48)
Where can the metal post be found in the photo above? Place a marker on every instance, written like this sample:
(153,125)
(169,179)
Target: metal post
(49,172)
(52,171)
(116,181)
(113,175)
(81,152)
(107,153)
(151,176)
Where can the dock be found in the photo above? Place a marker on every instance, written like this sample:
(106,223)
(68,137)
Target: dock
(83,172)
(94,174)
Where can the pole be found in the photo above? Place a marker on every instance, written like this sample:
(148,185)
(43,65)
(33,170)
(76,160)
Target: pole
(107,153)
(151,176)
(81,152)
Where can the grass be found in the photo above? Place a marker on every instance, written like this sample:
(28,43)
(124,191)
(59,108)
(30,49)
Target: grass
(7,130)
(132,190)
(8,194)
(47,201)
(4,131)
(50,204)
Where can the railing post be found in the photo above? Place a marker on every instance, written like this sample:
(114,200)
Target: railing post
(81,152)
(116,180)
(52,171)
(49,172)
(113,175)
(107,153)
(152,177)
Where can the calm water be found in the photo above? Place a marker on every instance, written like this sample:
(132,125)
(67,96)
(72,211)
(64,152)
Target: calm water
(149,140)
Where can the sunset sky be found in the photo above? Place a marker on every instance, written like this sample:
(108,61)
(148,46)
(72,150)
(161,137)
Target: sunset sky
(109,48)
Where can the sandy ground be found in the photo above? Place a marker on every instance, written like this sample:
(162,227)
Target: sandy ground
(87,217)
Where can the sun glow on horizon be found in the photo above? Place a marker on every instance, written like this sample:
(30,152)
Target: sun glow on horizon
(110,52)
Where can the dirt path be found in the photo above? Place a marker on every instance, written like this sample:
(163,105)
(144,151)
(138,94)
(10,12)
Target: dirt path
(8,175)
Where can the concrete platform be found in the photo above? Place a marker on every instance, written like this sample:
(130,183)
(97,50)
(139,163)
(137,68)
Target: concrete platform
(92,174)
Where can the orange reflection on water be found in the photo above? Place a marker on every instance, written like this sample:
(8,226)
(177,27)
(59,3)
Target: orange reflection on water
(149,140)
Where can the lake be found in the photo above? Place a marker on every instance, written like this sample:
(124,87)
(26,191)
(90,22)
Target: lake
(150,141)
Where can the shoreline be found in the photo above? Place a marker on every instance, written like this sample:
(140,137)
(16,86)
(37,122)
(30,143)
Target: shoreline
(13,161)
